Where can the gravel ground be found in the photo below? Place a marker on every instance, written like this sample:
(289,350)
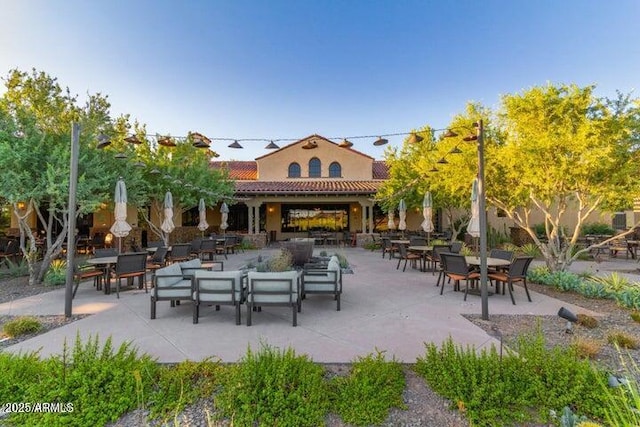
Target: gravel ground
(423,406)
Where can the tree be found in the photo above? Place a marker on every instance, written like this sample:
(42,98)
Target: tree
(564,152)
(35,124)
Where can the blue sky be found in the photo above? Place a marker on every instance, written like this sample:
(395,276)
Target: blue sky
(288,69)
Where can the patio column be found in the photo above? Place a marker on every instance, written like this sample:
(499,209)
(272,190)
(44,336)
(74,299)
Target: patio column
(250,217)
(363,219)
(256,217)
(370,219)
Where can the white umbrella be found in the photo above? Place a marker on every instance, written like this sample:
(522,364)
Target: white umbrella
(167,224)
(120,227)
(224,210)
(402,213)
(427,224)
(473,228)
(202,209)
(391,225)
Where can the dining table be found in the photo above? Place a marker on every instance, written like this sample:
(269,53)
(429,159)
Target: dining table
(424,251)
(107,262)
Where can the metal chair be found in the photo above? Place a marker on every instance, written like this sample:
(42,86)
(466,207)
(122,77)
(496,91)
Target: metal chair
(457,269)
(84,272)
(129,266)
(517,273)
(180,252)
(408,256)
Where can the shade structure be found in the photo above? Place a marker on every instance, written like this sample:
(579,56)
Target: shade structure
(224,216)
(473,228)
(120,227)
(167,224)
(402,214)
(202,210)
(427,213)
(391,225)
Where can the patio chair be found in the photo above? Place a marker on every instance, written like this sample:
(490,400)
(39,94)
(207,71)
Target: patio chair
(326,281)
(217,288)
(457,269)
(130,266)
(456,247)
(500,254)
(170,285)
(517,273)
(408,256)
(388,248)
(105,252)
(277,289)
(195,247)
(417,241)
(180,252)
(434,257)
(84,272)
(207,249)
(157,260)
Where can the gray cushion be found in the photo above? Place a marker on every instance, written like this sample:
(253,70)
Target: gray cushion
(282,286)
(218,285)
(173,272)
(181,289)
(190,267)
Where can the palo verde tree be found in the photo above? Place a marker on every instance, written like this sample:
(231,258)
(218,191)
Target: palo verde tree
(35,127)
(564,152)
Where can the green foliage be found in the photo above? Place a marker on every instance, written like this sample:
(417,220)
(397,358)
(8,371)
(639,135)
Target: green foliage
(597,228)
(496,238)
(282,261)
(57,273)
(495,389)
(23,325)
(14,269)
(372,246)
(180,385)
(466,250)
(635,315)
(18,370)
(539,230)
(530,249)
(622,404)
(274,387)
(569,419)
(373,387)
(342,259)
(99,382)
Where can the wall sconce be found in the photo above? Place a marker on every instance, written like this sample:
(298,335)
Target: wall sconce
(108,239)
(355,209)
(21,205)
(271,209)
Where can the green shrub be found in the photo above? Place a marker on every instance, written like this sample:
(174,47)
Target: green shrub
(274,387)
(466,250)
(622,339)
(342,259)
(14,269)
(181,385)
(530,249)
(18,370)
(100,383)
(57,273)
(373,387)
(372,246)
(518,387)
(622,404)
(597,228)
(496,238)
(22,325)
(635,315)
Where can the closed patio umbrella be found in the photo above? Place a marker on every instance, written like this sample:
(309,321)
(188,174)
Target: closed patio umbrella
(202,210)
(402,213)
(427,224)
(473,228)
(120,227)
(224,217)
(167,224)
(391,225)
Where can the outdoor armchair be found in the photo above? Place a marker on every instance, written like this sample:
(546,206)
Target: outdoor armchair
(517,273)
(130,266)
(326,281)
(180,252)
(457,269)
(169,284)
(217,288)
(277,289)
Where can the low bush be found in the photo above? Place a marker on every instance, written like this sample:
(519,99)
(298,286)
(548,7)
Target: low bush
(635,315)
(273,387)
(586,348)
(99,383)
(597,228)
(14,269)
(373,387)
(587,321)
(622,403)
(22,325)
(56,275)
(180,385)
(530,249)
(622,339)
(522,386)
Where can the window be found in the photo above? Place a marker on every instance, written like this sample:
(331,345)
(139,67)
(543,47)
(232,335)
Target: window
(315,168)
(619,221)
(335,170)
(294,170)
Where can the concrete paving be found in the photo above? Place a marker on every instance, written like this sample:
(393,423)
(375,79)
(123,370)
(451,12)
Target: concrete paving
(382,308)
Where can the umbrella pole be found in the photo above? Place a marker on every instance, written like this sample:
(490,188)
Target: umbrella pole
(428,238)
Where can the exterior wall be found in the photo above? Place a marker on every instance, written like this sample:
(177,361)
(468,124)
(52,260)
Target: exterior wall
(275,167)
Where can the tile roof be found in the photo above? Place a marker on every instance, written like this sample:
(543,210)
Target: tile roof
(243,170)
(306,187)
(380,169)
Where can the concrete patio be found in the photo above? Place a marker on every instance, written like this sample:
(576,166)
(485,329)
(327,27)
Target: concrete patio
(382,308)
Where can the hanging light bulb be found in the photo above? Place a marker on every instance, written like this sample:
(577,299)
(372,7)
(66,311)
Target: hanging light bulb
(133,139)
(414,138)
(450,134)
(166,141)
(272,146)
(103,141)
(345,143)
(235,144)
(455,150)
(309,145)
(443,161)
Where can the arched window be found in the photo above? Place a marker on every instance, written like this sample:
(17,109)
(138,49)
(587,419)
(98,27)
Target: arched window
(315,168)
(335,170)
(294,170)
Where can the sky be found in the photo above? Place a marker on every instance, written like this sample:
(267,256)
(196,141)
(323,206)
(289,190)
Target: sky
(276,69)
